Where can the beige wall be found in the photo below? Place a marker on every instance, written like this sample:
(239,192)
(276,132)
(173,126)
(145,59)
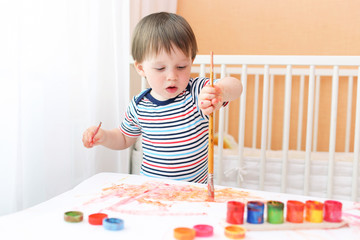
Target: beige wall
(281,27)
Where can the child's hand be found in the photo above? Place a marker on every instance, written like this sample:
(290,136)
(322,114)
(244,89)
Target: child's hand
(89,140)
(210,99)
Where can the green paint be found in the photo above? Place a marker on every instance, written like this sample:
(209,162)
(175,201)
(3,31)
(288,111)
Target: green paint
(275,212)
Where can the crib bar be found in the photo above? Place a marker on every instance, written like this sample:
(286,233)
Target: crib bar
(264,126)
(242,112)
(271,102)
(221,134)
(281,60)
(256,104)
(316,112)
(333,120)
(286,129)
(143,83)
(300,112)
(219,170)
(223,73)
(309,124)
(348,114)
(202,69)
(355,175)
(226,120)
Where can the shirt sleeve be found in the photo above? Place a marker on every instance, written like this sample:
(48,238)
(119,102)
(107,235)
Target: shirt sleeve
(130,125)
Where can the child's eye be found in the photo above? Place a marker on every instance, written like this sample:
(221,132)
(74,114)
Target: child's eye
(181,67)
(160,69)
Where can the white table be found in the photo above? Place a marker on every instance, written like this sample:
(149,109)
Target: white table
(154,219)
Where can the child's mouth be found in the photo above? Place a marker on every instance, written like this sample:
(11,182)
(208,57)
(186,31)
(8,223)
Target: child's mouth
(171,89)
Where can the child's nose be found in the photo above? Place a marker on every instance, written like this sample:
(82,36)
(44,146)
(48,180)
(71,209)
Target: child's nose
(172,75)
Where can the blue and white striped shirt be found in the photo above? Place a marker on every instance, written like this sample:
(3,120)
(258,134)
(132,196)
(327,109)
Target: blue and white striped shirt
(174,134)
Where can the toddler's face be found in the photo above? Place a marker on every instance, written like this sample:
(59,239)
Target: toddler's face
(167,74)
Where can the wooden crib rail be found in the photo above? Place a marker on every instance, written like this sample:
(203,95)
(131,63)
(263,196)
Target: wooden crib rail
(280,60)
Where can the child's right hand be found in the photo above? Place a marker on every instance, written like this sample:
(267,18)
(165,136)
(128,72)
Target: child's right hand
(88,139)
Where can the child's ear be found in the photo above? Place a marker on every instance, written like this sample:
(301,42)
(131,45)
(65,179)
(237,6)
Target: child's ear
(139,68)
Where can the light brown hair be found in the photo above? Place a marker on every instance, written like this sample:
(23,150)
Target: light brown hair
(162,31)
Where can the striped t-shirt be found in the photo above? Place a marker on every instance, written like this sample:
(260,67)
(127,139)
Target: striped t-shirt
(174,134)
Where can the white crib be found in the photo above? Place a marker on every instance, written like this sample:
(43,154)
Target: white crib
(299,170)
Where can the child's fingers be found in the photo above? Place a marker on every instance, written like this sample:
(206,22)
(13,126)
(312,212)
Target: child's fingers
(97,138)
(205,104)
(86,138)
(208,110)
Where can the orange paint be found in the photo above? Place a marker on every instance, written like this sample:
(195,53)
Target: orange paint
(295,211)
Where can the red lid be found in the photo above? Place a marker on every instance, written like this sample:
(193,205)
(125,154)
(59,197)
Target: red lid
(97,218)
(203,230)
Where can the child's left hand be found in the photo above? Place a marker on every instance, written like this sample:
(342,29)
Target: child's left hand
(210,99)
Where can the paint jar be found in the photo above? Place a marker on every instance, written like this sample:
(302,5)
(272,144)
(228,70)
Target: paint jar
(295,211)
(275,212)
(314,211)
(333,211)
(235,212)
(255,212)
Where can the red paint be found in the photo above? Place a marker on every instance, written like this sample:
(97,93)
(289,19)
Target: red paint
(235,212)
(295,211)
(332,211)
(97,218)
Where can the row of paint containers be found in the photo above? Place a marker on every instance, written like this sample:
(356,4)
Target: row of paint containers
(315,211)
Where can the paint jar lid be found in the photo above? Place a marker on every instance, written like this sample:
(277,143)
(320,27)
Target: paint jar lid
(235,232)
(184,233)
(113,224)
(73,216)
(97,218)
(203,230)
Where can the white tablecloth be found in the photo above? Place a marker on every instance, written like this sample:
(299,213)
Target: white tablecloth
(149,218)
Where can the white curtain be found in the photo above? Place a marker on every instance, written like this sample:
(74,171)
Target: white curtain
(141,8)
(63,67)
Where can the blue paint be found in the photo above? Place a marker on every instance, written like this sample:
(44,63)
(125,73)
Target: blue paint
(255,212)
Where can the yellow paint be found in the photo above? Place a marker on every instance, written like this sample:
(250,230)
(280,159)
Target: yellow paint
(314,216)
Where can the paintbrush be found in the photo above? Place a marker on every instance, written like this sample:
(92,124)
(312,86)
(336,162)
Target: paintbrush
(96,131)
(210,181)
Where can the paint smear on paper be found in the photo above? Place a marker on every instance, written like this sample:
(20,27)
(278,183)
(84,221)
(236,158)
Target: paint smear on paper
(171,192)
(159,197)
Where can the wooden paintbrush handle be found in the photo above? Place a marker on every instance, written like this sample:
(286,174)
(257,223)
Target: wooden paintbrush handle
(211,122)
